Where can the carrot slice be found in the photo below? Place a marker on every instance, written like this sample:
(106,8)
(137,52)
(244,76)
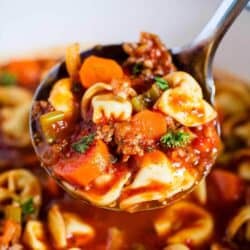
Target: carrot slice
(27,72)
(152,124)
(97,69)
(81,169)
(10,231)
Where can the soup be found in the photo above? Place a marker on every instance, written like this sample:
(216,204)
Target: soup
(37,214)
(132,134)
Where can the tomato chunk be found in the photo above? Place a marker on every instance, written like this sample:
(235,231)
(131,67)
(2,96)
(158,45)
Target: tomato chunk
(224,187)
(26,71)
(81,169)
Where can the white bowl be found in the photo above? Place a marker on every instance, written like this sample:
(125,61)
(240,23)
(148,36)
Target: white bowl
(30,25)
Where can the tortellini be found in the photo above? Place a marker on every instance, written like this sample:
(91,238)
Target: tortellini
(90,93)
(111,107)
(34,235)
(14,113)
(184,101)
(157,179)
(111,183)
(105,104)
(72,59)
(61,97)
(196,231)
(64,225)
(19,185)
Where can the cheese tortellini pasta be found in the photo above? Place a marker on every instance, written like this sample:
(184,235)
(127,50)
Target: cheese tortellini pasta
(34,235)
(196,231)
(112,184)
(61,97)
(156,179)
(65,225)
(106,106)
(184,101)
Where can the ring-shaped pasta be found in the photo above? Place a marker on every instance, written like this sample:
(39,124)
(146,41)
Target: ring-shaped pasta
(15,102)
(19,185)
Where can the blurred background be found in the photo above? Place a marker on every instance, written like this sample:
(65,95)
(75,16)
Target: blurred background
(30,25)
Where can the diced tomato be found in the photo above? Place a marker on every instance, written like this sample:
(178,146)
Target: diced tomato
(27,72)
(81,169)
(224,187)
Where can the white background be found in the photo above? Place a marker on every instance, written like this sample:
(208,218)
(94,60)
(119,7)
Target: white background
(30,24)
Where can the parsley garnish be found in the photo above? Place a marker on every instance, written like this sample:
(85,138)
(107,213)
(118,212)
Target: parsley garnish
(28,207)
(161,83)
(7,79)
(82,145)
(175,139)
(137,68)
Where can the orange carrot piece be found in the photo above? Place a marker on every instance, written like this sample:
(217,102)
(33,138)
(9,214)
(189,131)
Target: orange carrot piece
(81,169)
(10,230)
(27,72)
(152,124)
(97,69)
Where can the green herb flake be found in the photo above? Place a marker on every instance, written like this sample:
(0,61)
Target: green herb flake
(83,144)
(175,139)
(161,83)
(28,207)
(137,68)
(7,79)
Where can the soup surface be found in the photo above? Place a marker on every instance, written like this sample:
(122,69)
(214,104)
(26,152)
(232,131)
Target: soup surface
(37,214)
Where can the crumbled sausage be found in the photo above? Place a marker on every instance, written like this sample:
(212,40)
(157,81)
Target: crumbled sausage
(151,53)
(105,132)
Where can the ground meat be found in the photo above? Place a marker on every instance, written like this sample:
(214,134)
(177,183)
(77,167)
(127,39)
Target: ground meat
(40,108)
(151,53)
(129,142)
(105,132)
(122,88)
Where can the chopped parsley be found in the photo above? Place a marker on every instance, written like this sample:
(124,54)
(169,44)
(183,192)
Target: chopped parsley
(7,79)
(28,207)
(175,139)
(83,144)
(137,69)
(161,83)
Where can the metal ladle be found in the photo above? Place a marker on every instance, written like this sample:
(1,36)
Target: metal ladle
(195,58)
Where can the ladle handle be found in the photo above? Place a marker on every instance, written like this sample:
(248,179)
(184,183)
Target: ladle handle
(217,26)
